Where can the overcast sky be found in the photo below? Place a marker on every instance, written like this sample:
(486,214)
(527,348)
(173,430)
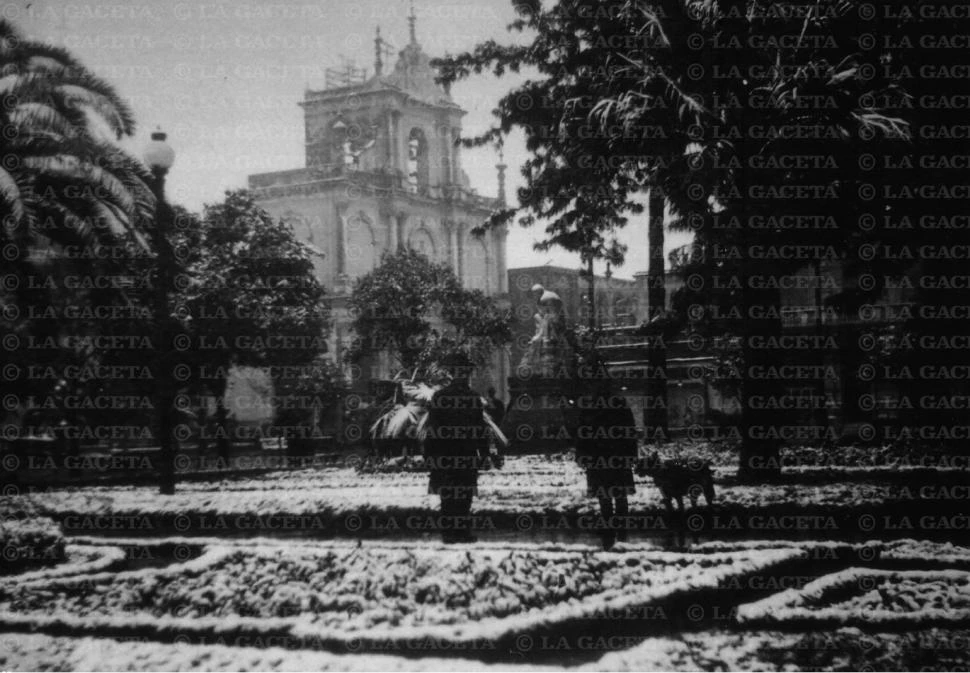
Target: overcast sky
(223,79)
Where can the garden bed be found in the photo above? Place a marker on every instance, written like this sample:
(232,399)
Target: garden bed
(29,542)
(374,598)
(869,598)
(80,559)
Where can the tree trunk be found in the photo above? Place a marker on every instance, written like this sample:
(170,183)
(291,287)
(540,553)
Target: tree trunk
(655,418)
(223,441)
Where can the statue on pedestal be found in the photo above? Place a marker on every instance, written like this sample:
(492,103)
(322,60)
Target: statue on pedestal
(548,348)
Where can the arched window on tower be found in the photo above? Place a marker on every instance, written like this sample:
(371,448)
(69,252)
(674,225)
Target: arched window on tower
(417,161)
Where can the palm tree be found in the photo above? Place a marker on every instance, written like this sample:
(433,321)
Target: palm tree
(64,186)
(59,167)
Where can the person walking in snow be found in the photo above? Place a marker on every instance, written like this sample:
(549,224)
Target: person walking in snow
(605,437)
(456,444)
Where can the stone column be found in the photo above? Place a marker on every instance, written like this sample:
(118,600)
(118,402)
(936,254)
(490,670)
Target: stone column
(341,248)
(394,241)
(455,156)
(396,144)
(445,171)
(498,243)
(451,228)
(399,220)
(338,209)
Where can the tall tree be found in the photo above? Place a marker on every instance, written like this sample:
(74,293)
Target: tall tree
(248,297)
(705,99)
(74,210)
(417,311)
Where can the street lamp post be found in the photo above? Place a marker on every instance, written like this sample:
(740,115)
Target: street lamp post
(159,157)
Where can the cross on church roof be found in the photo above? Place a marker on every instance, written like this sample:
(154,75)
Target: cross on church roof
(347,74)
(382,48)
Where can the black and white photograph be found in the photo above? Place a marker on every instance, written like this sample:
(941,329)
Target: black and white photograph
(484,335)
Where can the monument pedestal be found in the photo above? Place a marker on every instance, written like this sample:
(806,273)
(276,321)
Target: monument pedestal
(537,418)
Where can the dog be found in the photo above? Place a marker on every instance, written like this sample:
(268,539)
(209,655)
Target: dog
(678,477)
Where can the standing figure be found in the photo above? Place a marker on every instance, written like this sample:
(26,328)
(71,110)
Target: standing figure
(606,447)
(455,447)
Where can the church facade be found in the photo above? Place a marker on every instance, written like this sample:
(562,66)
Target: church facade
(383,171)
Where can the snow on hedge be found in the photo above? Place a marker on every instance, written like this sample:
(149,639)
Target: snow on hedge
(40,652)
(871,598)
(80,559)
(924,551)
(370,594)
(27,542)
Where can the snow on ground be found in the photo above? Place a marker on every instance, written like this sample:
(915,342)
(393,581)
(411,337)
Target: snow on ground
(847,649)
(37,652)
(525,485)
